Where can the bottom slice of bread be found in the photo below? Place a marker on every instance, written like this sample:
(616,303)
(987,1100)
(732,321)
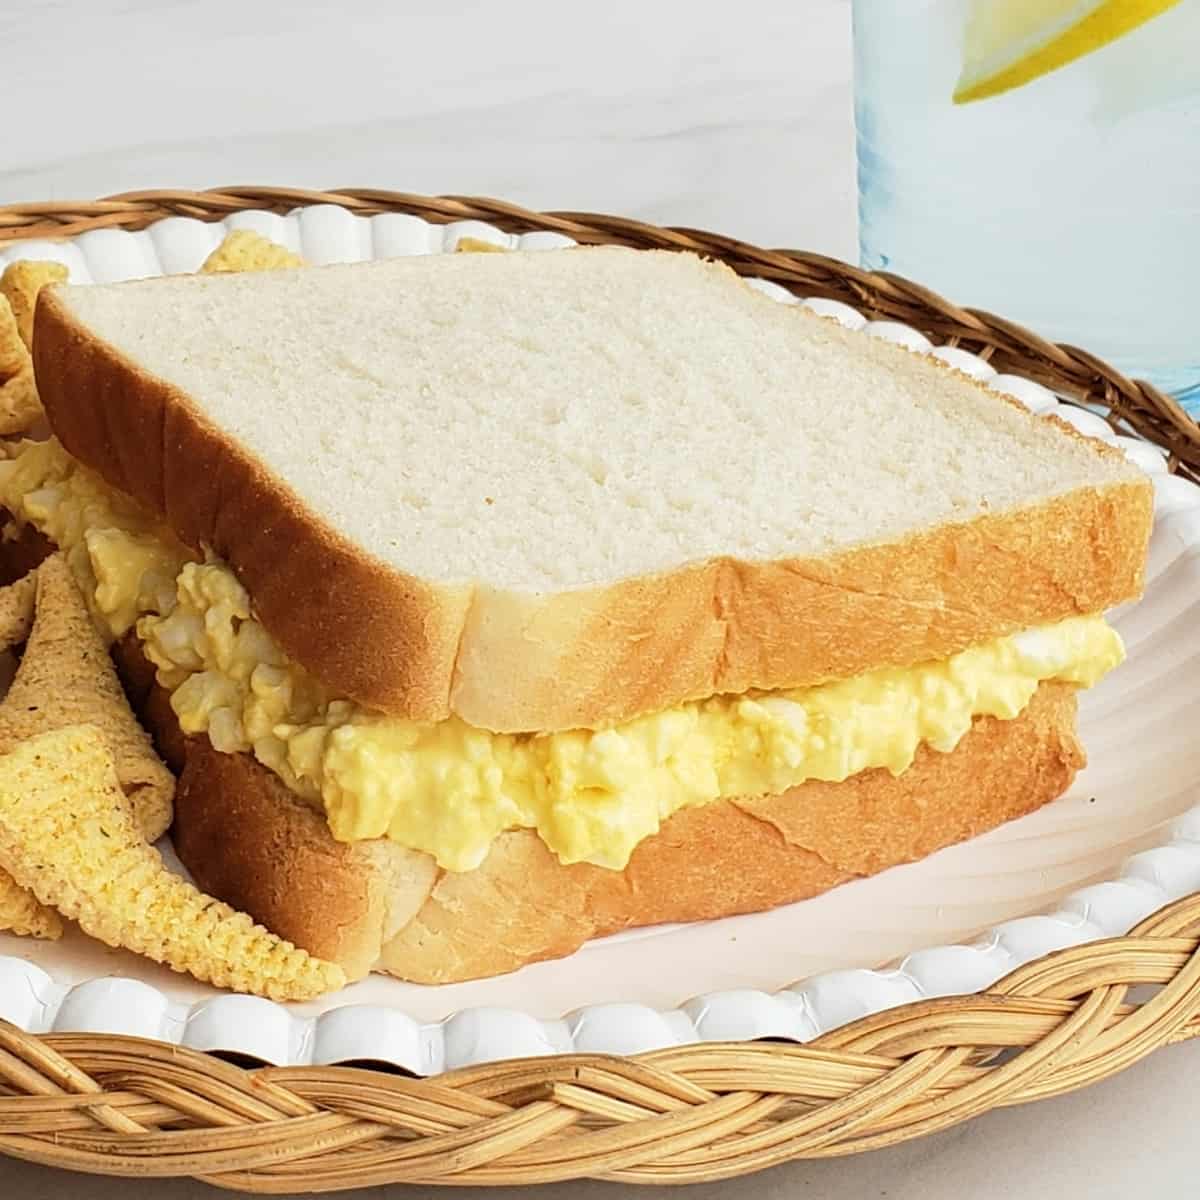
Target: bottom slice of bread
(376,906)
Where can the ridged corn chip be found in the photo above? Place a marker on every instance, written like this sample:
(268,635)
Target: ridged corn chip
(20,912)
(16,611)
(245,250)
(68,833)
(14,354)
(20,284)
(66,677)
(474,245)
(20,405)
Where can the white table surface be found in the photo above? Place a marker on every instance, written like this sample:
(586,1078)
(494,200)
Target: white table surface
(734,117)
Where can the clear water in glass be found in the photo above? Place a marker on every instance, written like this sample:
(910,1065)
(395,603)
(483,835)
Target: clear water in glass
(1069,202)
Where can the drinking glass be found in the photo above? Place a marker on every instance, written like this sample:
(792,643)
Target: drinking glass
(1041,159)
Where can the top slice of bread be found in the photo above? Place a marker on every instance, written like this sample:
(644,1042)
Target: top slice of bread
(549,490)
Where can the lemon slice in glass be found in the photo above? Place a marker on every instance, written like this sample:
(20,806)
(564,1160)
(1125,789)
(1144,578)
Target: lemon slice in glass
(1011,42)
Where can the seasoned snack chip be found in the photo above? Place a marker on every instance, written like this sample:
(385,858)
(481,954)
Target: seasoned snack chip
(68,833)
(474,245)
(14,354)
(20,912)
(16,611)
(67,678)
(20,285)
(20,406)
(245,250)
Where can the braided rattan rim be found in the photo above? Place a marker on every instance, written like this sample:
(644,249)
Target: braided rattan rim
(125,1106)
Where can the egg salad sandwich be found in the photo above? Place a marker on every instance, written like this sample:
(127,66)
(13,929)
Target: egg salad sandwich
(490,603)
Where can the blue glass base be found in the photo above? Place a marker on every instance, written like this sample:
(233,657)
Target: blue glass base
(1189,399)
(1183,383)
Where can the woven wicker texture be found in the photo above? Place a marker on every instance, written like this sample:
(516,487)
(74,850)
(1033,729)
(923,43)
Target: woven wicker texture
(123,1106)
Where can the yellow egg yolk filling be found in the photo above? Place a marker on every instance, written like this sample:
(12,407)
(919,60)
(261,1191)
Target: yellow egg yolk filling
(448,788)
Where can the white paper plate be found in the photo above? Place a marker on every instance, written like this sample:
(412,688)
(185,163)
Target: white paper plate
(1123,842)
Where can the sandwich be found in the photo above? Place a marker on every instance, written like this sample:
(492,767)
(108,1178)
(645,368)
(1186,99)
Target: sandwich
(486,604)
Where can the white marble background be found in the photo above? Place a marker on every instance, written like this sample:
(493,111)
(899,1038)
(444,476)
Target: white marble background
(732,116)
(695,113)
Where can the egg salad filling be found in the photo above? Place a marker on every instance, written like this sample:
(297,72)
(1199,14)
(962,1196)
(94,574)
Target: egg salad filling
(448,788)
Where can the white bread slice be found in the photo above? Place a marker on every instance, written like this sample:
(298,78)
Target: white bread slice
(560,489)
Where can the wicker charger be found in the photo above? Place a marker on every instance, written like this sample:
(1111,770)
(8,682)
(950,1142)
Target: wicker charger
(125,1106)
